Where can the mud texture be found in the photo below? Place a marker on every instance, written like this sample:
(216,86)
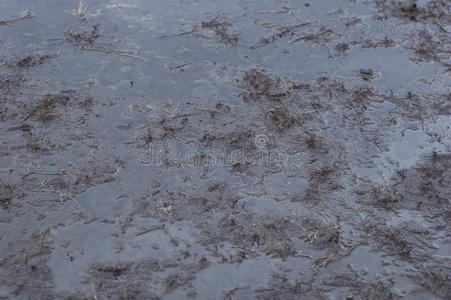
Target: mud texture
(240,149)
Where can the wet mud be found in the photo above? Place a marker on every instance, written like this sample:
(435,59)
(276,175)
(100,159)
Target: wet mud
(225,149)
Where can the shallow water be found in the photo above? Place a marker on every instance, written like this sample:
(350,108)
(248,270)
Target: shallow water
(212,149)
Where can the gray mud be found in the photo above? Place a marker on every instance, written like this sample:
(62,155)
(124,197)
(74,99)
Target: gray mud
(253,149)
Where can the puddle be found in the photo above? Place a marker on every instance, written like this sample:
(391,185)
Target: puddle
(235,149)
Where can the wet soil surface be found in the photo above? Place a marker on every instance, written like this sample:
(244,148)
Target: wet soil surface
(241,149)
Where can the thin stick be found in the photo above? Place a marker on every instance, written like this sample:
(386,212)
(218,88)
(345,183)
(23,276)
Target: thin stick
(27,16)
(110,51)
(178,67)
(157,227)
(282,11)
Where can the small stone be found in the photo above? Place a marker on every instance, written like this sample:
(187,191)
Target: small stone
(366,74)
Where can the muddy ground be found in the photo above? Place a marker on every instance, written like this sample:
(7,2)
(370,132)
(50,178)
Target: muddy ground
(240,149)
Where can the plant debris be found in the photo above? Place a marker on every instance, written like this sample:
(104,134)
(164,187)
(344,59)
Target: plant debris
(84,38)
(45,109)
(270,151)
(220,27)
(30,61)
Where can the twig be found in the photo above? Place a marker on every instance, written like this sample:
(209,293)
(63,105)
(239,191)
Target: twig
(313,36)
(304,255)
(81,10)
(282,32)
(157,227)
(110,51)
(166,209)
(229,293)
(178,67)
(280,11)
(27,16)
